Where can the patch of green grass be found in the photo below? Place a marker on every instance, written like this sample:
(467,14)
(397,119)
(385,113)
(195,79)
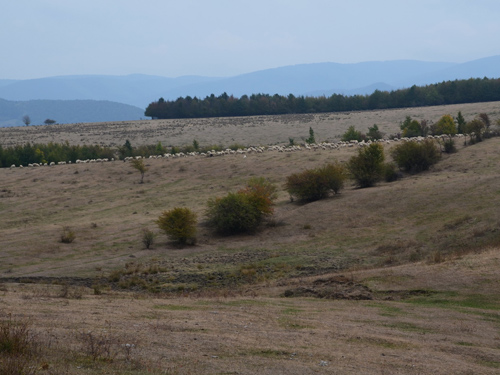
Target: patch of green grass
(386,309)
(493,364)
(408,327)
(464,343)
(291,311)
(455,300)
(174,307)
(242,302)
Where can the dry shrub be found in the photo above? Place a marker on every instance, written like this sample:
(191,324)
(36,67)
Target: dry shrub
(97,345)
(148,238)
(18,348)
(67,236)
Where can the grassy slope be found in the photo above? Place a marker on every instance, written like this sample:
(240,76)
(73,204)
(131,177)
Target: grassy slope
(437,232)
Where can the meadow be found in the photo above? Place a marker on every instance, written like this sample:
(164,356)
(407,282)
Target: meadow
(400,278)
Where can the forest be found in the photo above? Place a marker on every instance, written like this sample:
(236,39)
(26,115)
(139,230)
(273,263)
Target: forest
(473,90)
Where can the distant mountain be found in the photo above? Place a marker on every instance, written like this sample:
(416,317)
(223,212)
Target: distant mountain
(137,89)
(306,79)
(66,111)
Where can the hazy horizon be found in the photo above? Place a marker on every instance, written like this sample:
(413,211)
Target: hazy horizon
(221,38)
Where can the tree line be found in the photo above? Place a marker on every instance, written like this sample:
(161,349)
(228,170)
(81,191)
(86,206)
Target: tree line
(473,90)
(51,152)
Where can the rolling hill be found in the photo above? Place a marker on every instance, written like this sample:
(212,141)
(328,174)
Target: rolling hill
(66,111)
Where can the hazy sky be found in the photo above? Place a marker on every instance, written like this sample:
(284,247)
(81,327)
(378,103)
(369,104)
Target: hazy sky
(40,38)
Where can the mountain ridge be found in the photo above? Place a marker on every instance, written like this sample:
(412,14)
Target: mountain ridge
(315,79)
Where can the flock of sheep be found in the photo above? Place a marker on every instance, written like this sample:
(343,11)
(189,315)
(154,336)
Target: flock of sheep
(249,150)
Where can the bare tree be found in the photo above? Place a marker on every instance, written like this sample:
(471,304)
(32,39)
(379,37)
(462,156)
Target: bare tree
(26,120)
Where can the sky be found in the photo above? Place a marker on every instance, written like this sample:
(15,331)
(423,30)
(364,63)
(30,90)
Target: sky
(220,38)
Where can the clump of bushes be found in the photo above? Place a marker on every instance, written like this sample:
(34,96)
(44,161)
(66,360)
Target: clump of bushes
(367,167)
(314,184)
(416,157)
(243,211)
(179,224)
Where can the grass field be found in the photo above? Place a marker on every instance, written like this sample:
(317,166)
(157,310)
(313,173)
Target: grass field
(401,278)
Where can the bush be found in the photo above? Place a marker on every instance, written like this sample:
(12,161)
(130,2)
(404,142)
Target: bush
(244,211)
(475,130)
(367,167)
(352,135)
(18,348)
(15,337)
(334,176)
(449,146)
(67,236)
(445,125)
(261,193)
(148,237)
(140,166)
(374,132)
(390,172)
(234,213)
(314,184)
(416,157)
(179,224)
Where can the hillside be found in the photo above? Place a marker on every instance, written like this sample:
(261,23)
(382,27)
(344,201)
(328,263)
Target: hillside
(65,111)
(398,278)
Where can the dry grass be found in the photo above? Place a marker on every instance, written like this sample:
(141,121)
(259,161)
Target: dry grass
(255,130)
(425,248)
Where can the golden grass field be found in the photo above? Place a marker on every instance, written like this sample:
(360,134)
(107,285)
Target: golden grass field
(412,266)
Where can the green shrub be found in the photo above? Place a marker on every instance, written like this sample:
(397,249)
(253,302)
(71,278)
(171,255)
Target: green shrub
(352,135)
(374,132)
(314,184)
(334,176)
(390,172)
(140,166)
(234,213)
(449,145)
(475,130)
(244,211)
(367,166)
(416,157)
(445,125)
(311,138)
(179,224)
